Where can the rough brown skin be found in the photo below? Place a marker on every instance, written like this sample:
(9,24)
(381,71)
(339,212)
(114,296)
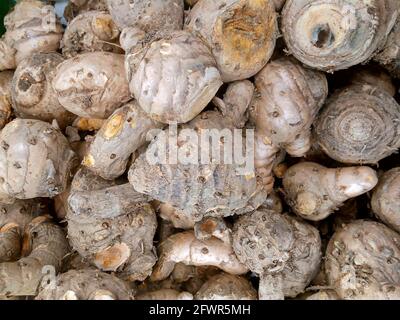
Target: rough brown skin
(165,294)
(13,220)
(389,57)
(173,78)
(148,15)
(178,218)
(240,33)
(338,34)
(213,227)
(91,31)
(7,55)
(77,7)
(226,286)
(32,27)
(32,94)
(35,159)
(385,199)
(5,97)
(184,247)
(86,284)
(111,230)
(314,191)
(349,134)
(199,190)
(363,261)
(92,85)
(284,251)
(44,245)
(121,135)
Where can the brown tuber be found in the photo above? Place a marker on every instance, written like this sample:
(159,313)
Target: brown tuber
(314,191)
(91,31)
(240,33)
(35,159)
(363,261)
(359,125)
(337,34)
(385,199)
(92,85)
(32,94)
(282,250)
(77,7)
(85,284)
(226,286)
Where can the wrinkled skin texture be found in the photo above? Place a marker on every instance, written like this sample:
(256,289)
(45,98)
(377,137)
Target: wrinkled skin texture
(165,294)
(32,27)
(44,245)
(225,286)
(175,79)
(363,261)
(7,55)
(5,97)
(117,237)
(358,125)
(385,199)
(13,220)
(86,284)
(121,135)
(389,57)
(148,15)
(241,34)
(314,191)
(334,35)
(284,251)
(77,7)
(200,190)
(90,31)
(92,85)
(35,159)
(32,94)
(287,100)
(185,248)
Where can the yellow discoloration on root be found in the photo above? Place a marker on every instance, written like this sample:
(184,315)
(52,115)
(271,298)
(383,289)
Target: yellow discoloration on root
(245,35)
(88,161)
(87,124)
(111,258)
(113,126)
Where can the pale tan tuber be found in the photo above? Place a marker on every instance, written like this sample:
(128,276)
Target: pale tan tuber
(337,34)
(35,159)
(358,125)
(91,31)
(77,7)
(184,247)
(226,286)
(85,284)
(282,250)
(5,97)
(363,262)
(92,85)
(7,55)
(32,27)
(314,191)
(32,94)
(385,199)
